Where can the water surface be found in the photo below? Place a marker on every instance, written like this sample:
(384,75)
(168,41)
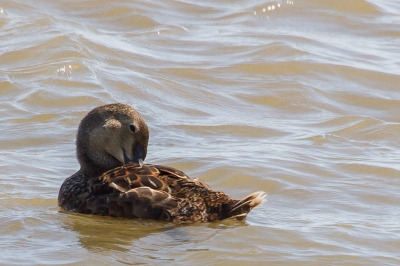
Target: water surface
(298,98)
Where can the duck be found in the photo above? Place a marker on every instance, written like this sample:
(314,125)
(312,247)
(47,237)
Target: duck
(113,180)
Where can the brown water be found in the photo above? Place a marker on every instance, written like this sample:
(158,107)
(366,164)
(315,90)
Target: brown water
(298,98)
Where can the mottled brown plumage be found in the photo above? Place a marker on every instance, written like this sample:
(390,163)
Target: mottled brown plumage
(113,181)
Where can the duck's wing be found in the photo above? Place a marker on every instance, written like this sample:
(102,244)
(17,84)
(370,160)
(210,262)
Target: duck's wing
(141,202)
(173,176)
(148,191)
(157,177)
(127,177)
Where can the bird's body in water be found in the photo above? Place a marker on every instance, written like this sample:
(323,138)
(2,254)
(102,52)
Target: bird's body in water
(111,146)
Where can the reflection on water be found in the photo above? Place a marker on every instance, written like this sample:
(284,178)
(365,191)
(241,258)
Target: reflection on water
(297,98)
(149,240)
(96,233)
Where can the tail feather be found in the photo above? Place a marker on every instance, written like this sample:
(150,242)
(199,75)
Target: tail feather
(240,210)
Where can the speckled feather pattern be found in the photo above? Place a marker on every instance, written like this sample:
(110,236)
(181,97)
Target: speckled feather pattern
(148,191)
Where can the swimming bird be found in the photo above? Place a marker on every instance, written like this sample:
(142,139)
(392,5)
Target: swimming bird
(111,146)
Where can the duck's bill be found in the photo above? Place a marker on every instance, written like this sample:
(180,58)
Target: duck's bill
(138,157)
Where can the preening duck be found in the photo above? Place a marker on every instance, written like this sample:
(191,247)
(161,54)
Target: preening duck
(111,146)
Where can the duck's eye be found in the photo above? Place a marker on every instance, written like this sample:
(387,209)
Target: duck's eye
(133,128)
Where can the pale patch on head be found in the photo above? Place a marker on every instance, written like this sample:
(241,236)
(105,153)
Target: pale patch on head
(112,123)
(111,139)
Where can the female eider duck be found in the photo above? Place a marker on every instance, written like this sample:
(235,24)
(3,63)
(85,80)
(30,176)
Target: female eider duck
(111,146)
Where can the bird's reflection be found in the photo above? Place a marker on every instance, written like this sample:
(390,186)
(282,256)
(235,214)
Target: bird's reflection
(107,233)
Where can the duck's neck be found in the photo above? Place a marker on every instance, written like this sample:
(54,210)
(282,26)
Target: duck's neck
(92,170)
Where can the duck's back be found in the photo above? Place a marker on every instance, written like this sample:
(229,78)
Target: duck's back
(152,192)
(148,191)
(74,193)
